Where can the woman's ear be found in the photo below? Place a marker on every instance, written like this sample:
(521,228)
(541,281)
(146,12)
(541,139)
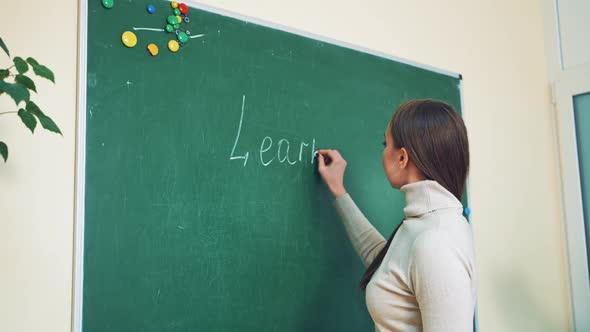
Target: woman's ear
(403,158)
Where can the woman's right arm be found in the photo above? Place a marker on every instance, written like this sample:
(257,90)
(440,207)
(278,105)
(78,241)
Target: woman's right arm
(365,239)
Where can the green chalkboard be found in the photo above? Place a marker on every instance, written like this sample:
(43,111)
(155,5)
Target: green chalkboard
(203,208)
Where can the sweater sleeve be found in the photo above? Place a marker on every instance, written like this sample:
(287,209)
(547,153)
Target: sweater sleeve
(442,284)
(366,240)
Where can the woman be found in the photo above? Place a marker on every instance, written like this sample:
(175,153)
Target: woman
(423,278)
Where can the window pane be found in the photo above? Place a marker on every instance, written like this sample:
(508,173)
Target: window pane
(582,116)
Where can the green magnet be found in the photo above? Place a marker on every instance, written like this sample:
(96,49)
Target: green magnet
(176,25)
(182,37)
(172,19)
(108,3)
(169,28)
(176,11)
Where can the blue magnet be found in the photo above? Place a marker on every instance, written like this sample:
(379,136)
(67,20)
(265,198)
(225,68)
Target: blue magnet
(467,211)
(151,9)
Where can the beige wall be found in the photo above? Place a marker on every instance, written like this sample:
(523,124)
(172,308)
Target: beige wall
(37,183)
(496,45)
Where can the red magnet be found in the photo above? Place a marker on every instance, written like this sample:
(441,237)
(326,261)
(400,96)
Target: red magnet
(183,8)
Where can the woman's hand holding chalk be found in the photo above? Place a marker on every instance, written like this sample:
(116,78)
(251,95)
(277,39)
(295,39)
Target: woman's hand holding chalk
(331,166)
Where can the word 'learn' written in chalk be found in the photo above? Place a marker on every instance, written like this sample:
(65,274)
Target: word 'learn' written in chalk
(281,152)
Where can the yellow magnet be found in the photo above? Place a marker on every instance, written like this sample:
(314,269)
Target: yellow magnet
(173,45)
(153,49)
(174,4)
(129,38)
(179,18)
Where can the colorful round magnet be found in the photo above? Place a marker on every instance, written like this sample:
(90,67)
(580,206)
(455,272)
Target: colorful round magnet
(179,19)
(169,28)
(174,4)
(172,19)
(176,26)
(182,37)
(108,3)
(173,45)
(151,9)
(176,11)
(183,8)
(129,39)
(153,49)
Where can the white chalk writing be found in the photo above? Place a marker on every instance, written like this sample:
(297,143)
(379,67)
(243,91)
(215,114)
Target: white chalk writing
(267,155)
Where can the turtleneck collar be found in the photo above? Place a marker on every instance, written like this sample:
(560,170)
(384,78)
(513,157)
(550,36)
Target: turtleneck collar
(427,196)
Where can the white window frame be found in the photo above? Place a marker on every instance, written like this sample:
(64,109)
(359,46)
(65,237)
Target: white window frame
(577,261)
(566,83)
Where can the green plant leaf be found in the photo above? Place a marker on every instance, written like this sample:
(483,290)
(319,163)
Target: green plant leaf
(21,65)
(16,91)
(41,70)
(4,73)
(44,72)
(4,47)
(48,124)
(45,121)
(26,81)
(33,108)
(4,151)
(32,62)
(28,119)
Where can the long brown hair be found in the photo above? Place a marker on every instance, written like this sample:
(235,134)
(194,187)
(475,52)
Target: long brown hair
(435,137)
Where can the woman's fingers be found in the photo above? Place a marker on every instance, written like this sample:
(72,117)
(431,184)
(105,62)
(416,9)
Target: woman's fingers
(333,155)
(331,166)
(321,163)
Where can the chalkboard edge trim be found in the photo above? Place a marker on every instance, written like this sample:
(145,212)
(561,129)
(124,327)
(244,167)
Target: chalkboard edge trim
(80,172)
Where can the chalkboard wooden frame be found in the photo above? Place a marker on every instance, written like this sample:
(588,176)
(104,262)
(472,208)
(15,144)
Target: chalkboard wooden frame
(78,267)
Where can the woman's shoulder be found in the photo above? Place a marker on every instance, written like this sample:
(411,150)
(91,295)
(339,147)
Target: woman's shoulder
(446,233)
(441,221)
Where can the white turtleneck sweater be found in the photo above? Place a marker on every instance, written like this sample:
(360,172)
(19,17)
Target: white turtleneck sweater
(427,280)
